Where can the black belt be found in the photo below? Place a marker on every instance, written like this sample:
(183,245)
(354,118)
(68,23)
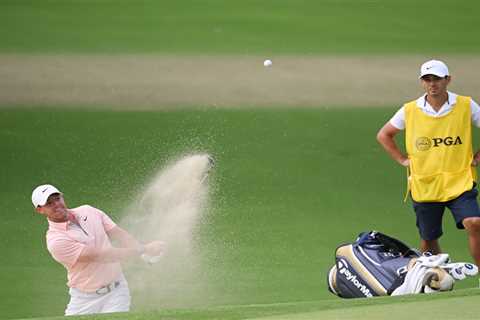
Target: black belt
(109,287)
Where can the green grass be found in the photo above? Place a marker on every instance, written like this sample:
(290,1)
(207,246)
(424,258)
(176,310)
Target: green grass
(394,308)
(290,185)
(240,27)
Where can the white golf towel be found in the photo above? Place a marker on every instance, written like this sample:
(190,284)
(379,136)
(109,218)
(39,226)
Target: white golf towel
(414,281)
(432,273)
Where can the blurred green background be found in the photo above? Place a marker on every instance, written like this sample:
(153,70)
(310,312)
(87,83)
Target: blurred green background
(240,27)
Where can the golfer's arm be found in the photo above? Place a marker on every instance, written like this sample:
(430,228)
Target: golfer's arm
(129,247)
(386,137)
(112,254)
(125,239)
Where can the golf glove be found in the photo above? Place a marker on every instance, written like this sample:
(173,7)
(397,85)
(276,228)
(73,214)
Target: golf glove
(150,259)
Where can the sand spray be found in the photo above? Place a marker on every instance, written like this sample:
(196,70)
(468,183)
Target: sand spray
(170,209)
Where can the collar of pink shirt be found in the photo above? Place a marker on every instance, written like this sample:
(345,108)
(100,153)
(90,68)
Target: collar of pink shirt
(62,226)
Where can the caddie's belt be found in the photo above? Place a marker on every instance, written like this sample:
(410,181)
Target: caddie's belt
(109,287)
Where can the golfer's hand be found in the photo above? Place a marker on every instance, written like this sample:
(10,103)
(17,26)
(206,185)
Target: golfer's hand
(154,248)
(405,162)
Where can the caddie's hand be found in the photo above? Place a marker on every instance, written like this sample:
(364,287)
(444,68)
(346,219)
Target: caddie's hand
(476,159)
(405,162)
(154,248)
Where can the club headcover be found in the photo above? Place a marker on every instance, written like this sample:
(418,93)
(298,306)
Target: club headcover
(437,279)
(461,270)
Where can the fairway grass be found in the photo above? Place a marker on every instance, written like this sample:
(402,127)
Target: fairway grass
(459,305)
(239,27)
(289,186)
(292,180)
(462,308)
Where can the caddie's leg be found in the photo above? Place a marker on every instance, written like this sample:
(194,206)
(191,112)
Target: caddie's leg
(432,246)
(429,224)
(466,212)
(472,226)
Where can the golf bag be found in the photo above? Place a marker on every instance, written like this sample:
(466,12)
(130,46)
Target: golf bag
(374,265)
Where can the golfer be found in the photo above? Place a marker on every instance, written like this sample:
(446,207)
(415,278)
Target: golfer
(439,157)
(79,239)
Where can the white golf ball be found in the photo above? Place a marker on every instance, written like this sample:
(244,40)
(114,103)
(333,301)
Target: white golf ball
(267,63)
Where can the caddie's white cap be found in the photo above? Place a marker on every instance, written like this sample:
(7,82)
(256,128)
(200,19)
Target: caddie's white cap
(41,193)
(435,67)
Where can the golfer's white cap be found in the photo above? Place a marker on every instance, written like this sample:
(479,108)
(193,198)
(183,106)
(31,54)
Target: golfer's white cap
(435,67)
(41,193)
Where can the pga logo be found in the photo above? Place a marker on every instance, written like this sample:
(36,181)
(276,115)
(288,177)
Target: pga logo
(425,143)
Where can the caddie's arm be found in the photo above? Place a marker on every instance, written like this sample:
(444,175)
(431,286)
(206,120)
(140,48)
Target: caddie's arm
(386,137)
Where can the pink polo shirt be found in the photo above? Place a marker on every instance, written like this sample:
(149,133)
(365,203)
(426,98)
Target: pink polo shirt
(65,242)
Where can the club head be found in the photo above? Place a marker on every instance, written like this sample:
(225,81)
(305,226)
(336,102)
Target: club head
(211,161)
(210,165)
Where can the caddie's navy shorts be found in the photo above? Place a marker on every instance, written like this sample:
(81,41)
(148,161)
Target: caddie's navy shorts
(430,214)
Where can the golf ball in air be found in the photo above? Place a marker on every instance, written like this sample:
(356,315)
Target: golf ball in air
(267,63)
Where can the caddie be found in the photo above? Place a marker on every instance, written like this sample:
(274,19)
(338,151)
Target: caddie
(79,239)
(439,157)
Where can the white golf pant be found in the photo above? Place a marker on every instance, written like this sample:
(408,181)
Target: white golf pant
(112,299)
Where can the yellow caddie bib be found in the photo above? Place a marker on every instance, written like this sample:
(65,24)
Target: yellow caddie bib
(440,152)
